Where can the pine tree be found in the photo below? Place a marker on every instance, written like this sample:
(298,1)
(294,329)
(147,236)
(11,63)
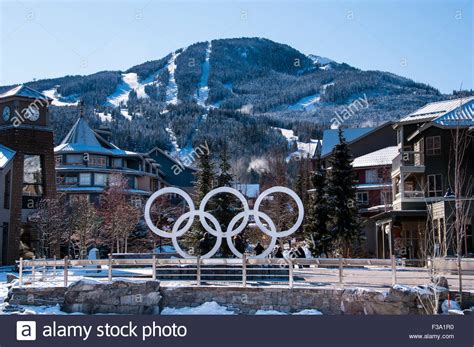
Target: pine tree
(317,235)
(205,179)
(226,205)
(341,197)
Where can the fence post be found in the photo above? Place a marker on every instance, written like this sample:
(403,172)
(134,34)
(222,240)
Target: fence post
(154,267)
(110,267)
(290,273)
(44,267)
(341,274)
(33,270)
(21,272)
(65,271)
(394,270)
(198,271)
(244,270)
(54,267)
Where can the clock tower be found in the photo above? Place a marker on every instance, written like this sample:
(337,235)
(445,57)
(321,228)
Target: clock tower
(25,129)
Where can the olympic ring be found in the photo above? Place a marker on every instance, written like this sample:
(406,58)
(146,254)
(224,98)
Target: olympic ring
(217,230)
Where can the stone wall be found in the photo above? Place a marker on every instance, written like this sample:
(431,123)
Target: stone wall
(36,296)
(328,301)
(118,296)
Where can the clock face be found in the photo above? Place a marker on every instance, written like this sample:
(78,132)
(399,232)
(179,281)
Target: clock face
(32,113)
(6,113)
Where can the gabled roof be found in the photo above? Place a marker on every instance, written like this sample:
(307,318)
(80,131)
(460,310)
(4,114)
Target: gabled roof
(6,154)
(435,110)
(25,92)
(81,138)
(331,137)
(463,115)
(380,157)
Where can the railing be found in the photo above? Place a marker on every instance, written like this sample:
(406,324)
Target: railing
(306,272)
(408,158)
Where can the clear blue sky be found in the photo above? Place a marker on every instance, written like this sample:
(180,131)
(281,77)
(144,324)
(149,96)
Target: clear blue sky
(428,41)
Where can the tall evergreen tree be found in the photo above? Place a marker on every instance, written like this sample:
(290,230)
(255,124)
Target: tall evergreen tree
(226,205)
(317,235)
(205,179)
(341,196)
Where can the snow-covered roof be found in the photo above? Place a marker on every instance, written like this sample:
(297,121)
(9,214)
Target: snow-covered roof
(6,154)
(463,115)
(435,110)
(81,138)
(380,157)
(331,137)
(25,92)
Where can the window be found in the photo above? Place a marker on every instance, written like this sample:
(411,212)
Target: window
(117,162)
(7,192)
(136,201)
(85,179)
(97,160)
(74,159)
(362,198)
(58,159)
(433,145)
(371,176)
(32,175)
(435,185)
(100,179)
(70,180)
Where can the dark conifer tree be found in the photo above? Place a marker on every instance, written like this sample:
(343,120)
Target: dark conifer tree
(341,197)
(205,179)
(317,235)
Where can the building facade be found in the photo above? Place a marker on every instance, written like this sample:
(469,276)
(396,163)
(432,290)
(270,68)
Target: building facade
(27,139)
(423,188)
(85,161)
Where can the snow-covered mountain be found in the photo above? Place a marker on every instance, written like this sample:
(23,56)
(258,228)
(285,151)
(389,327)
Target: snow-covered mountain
(237,91)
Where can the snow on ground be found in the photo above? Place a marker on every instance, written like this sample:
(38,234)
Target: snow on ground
(129,82)
(305,149)
(172,88)
(303,312)
(173,139)
(310,102)
(58,100)
(307,103)
(320,60)
(269,312)
(104,117)
(202,92)
(124,112)
(208,308)
(309,312)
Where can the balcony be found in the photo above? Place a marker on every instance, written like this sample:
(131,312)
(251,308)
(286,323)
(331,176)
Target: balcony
(409,161)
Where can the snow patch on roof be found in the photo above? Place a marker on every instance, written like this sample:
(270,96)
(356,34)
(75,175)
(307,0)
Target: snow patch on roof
(380,157)
(437,109)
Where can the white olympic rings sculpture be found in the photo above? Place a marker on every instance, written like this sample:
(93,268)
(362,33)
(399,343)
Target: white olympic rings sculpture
(217,231)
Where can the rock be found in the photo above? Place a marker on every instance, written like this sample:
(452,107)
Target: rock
(11,278)
(118,296)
